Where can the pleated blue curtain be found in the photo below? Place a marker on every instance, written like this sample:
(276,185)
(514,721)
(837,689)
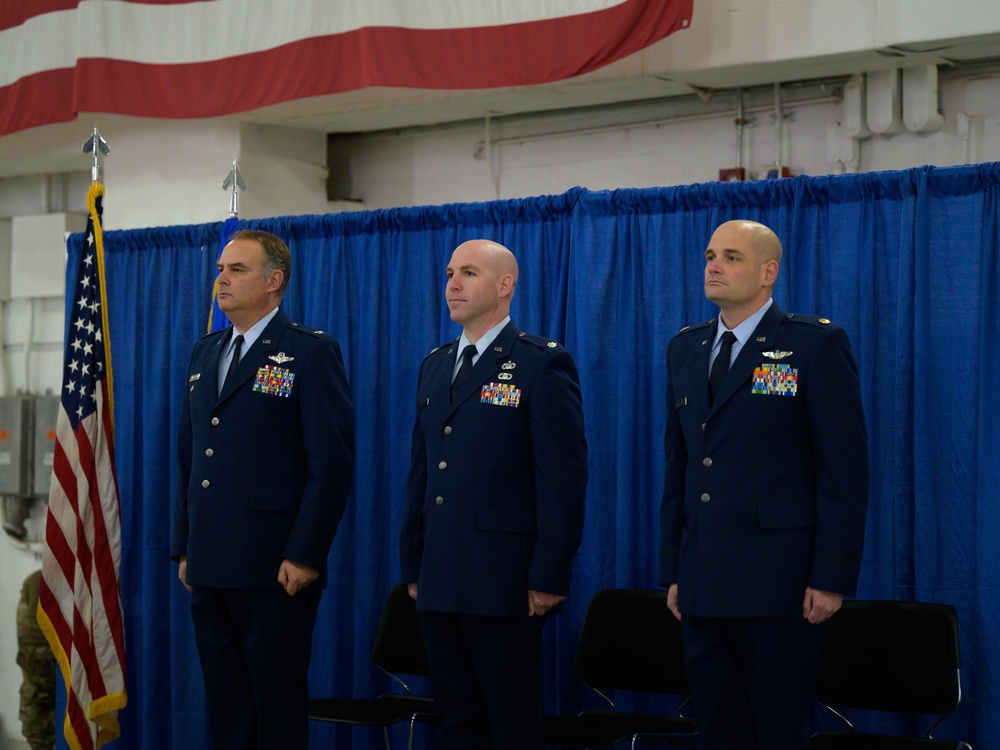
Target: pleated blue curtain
(905,261)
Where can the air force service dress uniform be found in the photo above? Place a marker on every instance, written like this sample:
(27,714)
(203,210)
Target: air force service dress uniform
(265,469)
(494,508)
(765,494)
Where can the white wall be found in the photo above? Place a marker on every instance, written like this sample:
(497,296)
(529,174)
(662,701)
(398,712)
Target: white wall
(166,173)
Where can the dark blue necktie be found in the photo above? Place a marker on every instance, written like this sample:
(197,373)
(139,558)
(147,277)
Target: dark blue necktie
(463,372)
(231,372)
(720,368)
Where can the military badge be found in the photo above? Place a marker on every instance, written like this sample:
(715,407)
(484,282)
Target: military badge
(196,376)
(552,345)
(274,381)
(505,376)
(280,358)
(776,354)
(500,394)
(508,366)
(775,380)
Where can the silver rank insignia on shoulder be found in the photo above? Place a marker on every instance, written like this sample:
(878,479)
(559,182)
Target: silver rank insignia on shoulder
(196,376)
(280,358)
(505,376)
(508,366)
(552,345)
(824,321)
(777,354)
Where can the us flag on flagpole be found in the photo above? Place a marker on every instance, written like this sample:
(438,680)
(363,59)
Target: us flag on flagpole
(79,606)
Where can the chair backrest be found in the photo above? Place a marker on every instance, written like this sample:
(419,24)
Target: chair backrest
(399,643)
(630,640)
(891,656)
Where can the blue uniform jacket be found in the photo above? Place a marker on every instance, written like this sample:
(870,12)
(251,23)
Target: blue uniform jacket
(766,491)
(265,468)
(498,478)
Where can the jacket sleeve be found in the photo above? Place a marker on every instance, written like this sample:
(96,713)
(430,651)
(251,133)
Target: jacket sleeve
(179,534)
(560,461)
(411,537)
(672,500)
(837,425)
(327,419)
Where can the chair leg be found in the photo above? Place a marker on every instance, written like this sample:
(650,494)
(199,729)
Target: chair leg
(385,731)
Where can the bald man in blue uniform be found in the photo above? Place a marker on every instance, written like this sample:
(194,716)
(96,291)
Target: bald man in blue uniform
(764,499)
(266,459)
(494,510)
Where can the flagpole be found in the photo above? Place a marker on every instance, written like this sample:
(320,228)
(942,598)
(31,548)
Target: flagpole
(97,146)
(234,183)
(79,597)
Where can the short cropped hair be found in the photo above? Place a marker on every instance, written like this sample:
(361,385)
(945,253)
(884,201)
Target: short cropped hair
(276,254)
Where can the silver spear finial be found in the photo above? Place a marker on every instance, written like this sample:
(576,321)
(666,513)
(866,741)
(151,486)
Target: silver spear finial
(98,147)
(234,181)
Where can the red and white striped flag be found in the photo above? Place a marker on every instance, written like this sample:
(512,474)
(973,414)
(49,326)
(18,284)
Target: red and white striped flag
(204,58)
(79,606)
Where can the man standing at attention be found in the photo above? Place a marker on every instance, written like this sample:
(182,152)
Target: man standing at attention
(494,510)
(266,458)
(765,494)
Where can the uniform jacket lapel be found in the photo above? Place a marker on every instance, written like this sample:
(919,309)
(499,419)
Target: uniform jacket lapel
(485,366)
(251,360)
(750,355)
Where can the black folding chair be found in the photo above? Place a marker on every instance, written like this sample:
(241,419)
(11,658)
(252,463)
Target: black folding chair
(889,656)
(630,641)
(398,649)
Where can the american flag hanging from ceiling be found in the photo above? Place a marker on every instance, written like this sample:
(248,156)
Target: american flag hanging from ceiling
(204,58)
(79,607)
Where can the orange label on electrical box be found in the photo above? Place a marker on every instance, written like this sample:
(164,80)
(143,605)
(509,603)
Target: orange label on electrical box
(4,435)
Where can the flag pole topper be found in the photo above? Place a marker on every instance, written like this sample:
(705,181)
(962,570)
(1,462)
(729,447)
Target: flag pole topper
(97,146)
(234,181)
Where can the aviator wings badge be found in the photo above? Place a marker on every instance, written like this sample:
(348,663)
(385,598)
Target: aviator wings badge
(776,354)
(280,358)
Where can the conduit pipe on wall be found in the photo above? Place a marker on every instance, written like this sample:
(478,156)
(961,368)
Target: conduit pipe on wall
(480,148)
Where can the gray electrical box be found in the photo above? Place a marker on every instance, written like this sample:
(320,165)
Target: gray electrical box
(15,421)
(44,443)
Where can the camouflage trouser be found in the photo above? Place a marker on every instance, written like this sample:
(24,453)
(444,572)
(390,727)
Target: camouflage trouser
(38,691)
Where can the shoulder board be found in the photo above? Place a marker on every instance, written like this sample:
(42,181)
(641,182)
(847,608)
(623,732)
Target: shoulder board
(305,329)
(436,349)
(215,333)
(813,320)
(540,341)
(696,326)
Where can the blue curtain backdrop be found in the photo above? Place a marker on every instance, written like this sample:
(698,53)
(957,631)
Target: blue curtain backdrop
(905,261)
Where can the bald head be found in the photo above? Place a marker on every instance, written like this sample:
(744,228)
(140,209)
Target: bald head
(493,255)
(760,238)
(741,267)
(481,278)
